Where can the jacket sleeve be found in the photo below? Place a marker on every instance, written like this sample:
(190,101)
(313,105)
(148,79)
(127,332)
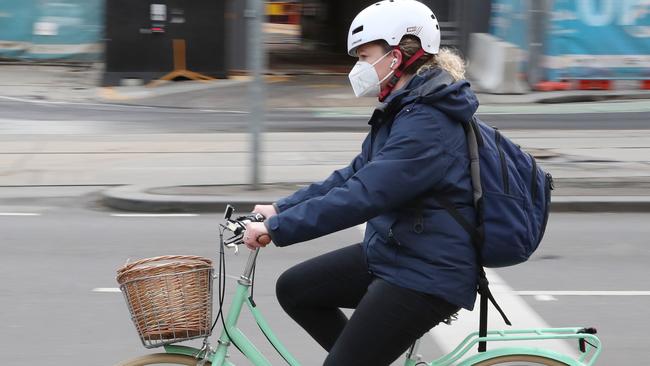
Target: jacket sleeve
(412,161)
(317,189)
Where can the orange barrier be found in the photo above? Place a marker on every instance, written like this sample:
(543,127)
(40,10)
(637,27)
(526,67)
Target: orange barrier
(552,85)
(588,84)
(283,12)
(645,85)
(594,84)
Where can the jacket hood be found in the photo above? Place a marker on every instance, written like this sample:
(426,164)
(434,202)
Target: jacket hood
(437,88)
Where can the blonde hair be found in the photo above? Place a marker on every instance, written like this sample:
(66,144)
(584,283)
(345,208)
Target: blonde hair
(446,59)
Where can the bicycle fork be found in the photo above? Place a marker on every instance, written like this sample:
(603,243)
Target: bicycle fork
(230,330)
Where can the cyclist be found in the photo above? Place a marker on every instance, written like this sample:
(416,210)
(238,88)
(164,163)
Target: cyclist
(416,265)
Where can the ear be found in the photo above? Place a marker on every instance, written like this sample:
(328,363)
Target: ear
(397,59)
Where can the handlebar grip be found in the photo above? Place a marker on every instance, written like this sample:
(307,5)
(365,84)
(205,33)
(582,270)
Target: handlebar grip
(264,239)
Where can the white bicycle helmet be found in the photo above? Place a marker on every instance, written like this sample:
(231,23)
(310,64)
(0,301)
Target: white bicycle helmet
(390,20)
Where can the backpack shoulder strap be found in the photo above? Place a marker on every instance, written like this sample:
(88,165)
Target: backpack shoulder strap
(474,141)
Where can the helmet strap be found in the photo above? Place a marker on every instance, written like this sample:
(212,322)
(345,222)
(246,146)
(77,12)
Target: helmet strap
(399,72)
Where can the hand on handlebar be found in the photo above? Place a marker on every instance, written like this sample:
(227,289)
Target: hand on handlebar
(267,210)
(256,235)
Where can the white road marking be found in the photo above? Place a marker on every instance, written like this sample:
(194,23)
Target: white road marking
(110,105)
(106,289)
(543,297)
(223,111)
(155,215)
(19,214)
(583,293)
(56,102)
(117,289)
(518,311)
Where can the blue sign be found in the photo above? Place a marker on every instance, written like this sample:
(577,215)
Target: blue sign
(51,29)
(598,39)
(16,19)
(509,21)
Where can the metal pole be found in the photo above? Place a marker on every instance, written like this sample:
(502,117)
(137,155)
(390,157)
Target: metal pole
(538,13)
(254,13)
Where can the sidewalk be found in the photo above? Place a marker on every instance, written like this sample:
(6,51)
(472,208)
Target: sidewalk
(595,170)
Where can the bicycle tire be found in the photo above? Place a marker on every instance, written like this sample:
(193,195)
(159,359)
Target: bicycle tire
(161,359)
(517,360)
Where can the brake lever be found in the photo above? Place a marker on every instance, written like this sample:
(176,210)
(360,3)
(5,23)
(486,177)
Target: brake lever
(233,246)
(232,243)
(237,227)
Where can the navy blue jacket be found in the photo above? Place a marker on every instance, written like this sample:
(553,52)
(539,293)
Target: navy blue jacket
(416,148)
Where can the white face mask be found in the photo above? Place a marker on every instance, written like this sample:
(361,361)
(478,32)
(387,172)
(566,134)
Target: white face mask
(365,80)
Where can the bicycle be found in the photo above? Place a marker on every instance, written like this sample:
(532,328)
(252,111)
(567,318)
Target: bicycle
(589,344)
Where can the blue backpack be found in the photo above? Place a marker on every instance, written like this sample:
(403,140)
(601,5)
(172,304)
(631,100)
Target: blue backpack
(512,197)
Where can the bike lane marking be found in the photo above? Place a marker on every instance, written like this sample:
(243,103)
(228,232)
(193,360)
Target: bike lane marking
(583,293)
(154,215)
(117,289)
(518,311)
(106,289)
(19,214)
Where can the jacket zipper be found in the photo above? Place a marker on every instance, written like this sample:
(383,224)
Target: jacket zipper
(502,157)
(373,135)
(392,239)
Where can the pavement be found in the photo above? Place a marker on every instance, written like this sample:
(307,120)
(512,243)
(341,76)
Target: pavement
(59,260)
(593,170)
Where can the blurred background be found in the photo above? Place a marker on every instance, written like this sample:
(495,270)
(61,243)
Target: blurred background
(127,125)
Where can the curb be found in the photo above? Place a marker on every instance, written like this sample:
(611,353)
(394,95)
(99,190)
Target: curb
(137,198)
(125,93)
(600,204)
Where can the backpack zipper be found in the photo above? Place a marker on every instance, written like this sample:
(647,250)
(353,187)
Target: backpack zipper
(551,184)
(533,184)
(502,157)
(548,187)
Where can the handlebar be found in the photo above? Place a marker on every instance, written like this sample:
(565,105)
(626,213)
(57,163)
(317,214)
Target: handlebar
(238,226)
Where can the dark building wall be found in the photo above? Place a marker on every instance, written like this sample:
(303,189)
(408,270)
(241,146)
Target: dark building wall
(327,22)
(138,45)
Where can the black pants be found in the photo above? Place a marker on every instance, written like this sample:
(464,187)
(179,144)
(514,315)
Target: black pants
(387,319)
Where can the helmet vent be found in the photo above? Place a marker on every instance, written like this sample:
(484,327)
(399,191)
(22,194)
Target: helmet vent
(437,27)
(357,29)
(433,16)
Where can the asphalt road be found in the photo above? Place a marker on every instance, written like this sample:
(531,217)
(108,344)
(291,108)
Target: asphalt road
(58,245)
(88,118)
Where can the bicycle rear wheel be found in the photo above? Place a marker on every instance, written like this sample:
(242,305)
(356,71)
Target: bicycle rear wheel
(161,359)
(520,360)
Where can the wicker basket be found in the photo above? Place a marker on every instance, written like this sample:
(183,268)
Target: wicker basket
(169,297)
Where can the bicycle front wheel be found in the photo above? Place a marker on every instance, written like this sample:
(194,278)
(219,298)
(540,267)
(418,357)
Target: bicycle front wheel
(162,359)
(520,360)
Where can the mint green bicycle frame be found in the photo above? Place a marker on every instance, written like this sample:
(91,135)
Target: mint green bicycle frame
(232,334)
